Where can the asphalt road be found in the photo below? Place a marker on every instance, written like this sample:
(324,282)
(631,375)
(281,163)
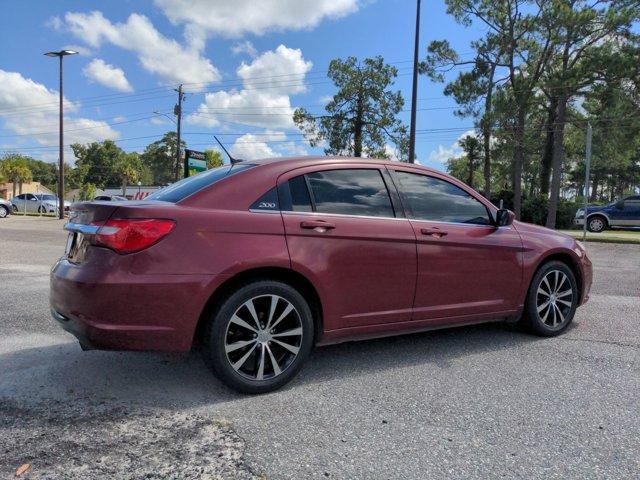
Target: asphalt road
(474,402)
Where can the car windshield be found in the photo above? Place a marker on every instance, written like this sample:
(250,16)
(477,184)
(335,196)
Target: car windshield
(187,186)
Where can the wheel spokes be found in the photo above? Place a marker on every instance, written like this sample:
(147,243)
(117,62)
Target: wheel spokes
(263,346)
(238,321)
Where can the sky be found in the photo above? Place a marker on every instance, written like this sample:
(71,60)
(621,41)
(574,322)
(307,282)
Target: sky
(245,65)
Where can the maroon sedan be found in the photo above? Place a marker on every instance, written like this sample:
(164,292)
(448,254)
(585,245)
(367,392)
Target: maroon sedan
(260,261)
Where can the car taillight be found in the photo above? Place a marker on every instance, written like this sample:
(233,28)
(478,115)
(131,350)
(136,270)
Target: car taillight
(130,235)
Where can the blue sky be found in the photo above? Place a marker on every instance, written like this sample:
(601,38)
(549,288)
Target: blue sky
(245,64)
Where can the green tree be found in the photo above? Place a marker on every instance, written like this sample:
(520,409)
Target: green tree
(523,50)
(128,167)
(160,159)
(97,163)
(473,155)
(15,169)
(361,117)
(580,54)
(214,158)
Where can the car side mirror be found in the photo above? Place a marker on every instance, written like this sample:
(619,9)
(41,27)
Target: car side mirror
(504,217)
(620,205)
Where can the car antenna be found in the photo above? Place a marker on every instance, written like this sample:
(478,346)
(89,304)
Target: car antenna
(231,159)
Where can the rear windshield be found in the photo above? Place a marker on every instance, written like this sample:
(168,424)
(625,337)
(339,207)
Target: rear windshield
(187,186)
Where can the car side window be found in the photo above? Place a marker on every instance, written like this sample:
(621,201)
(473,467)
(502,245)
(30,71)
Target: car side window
(359,192)
(31,197)
(20,197)
(437,200)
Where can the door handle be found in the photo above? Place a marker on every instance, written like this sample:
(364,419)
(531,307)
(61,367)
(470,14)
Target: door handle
(434,232)
(317,225)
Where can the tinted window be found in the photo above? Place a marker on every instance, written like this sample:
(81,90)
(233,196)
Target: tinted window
(187,186)
(20,197)
(269,201)
(300,200)
(351,192)
(433,199)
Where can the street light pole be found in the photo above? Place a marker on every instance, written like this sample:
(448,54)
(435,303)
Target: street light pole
(414,90)
(61,54)
(178,112)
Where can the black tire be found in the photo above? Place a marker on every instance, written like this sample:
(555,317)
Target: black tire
(4,211)
(597,223)
(41,209)
(219,335)
(542,320)
(14,208)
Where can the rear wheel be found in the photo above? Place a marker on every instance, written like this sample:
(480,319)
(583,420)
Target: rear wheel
(14,208)
(552,299)
(597,223)
(259,337)
(4,211)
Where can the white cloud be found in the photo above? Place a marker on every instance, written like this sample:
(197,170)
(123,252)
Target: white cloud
(157,54)
(29,108)
(250,146)
(244,47)
(107,75)
(442,153)
(234,18)
(264,99)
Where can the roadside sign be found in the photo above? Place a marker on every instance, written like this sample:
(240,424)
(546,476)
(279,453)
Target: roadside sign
(195,162)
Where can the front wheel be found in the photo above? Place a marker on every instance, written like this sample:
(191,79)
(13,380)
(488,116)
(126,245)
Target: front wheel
(597,224)
(259,337)
(4,211)
(552,299)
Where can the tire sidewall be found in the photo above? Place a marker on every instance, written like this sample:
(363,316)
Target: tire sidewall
(597,217)
(214,345)
(533,318)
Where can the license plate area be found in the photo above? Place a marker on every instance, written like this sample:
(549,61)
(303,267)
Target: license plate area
(76,247)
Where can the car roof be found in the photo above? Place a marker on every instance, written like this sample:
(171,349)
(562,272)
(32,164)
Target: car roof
(297,162)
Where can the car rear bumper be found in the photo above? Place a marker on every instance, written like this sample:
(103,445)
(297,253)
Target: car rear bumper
(578,221)
(117,310)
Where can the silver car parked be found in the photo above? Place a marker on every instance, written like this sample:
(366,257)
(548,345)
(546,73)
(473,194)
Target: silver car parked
(5,208)
(36,203)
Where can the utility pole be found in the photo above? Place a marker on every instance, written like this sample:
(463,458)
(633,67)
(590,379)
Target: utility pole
(414,91)
(586,180)
(61,54)
(177,110)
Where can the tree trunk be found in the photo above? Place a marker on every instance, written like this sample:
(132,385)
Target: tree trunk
(15,184)
(518,161)
(594,189)
(558,160)
(547,155)
(357,129)
(124,186)
(471,162)
(486,134)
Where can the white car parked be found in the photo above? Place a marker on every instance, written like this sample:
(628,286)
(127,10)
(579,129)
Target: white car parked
(36,202)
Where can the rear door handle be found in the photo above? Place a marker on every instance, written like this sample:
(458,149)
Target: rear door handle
(317,225)
(434,232)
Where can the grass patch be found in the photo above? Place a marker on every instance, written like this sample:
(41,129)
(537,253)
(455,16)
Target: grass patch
(608,236)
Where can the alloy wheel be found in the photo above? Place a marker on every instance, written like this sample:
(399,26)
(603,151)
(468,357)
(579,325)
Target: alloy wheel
(596,225)
(554,299)
(3,212)
(263,337)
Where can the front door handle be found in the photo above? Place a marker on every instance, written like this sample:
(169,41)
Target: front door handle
(317,225)
(434,232)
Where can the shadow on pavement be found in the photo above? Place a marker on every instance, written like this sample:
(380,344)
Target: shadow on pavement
(64,372)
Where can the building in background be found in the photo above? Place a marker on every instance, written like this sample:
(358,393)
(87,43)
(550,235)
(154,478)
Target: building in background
(6,189)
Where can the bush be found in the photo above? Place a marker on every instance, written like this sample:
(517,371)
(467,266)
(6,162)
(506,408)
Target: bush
(534,209)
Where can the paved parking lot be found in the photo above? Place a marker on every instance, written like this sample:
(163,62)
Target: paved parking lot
(475,402)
